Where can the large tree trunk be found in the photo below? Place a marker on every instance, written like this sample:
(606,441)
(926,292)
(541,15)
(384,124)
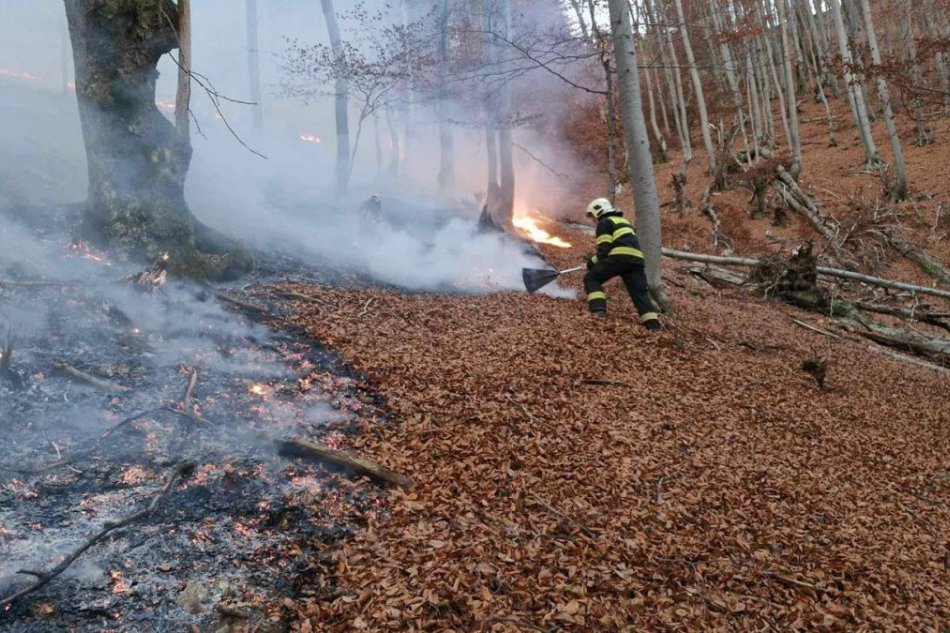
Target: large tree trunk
(254,68)
(341,88)
(137,160)
(446,142)
(610,115)
(640,162)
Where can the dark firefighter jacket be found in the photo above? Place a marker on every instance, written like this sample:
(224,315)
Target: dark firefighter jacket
(616,238)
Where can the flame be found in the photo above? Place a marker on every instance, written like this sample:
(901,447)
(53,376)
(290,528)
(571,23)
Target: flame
(528,223)
(257,389)
(168,106)
(309,138)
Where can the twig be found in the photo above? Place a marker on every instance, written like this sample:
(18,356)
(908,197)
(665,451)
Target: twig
(596,382)
(547,506)
(303,297)
(129,420)
(366,308)
(524,410)
(542,163)
(179,473)
(192,380)
(815,328)
(514,622)
(96,383)
(305,449)
(793,582)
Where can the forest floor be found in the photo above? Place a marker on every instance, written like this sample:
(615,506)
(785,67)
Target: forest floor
(579,476)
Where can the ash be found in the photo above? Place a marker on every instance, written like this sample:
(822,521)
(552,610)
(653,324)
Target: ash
(106,386)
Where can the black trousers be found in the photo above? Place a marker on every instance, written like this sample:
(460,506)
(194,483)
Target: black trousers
(630,270)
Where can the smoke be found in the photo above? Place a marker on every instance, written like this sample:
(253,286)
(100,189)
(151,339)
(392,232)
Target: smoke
(428,240)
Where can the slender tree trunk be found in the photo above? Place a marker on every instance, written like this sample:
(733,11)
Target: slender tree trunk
(137,160)
(657,134)
(794,139)
(341,89)
(183,97)
(764,16)
(899,189)
(909,46)
(638,148)
(610,115)
(395,150)
(505,147)
(674,81)
(378,137)
(729,66)
(64,58)
(855,94)
(662,102)
(822,40)
(446,177)
(254,68)
(697,88)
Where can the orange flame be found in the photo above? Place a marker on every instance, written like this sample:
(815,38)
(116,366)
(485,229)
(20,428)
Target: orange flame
(529,225)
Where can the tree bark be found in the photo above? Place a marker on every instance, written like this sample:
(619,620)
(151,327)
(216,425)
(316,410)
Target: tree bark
(697,88)
(855,93)
(794,138)
(446,176)
(183,97)
(898,190)
(638,149)
(610,115)
(341,89)
(136,159)
(254,68)
(909,46)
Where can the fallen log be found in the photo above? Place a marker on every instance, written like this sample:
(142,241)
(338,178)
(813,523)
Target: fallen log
(252,307)
(315,452)
(43,578)
(717,276)
(927,262)
(96,383)
(924,315)
(801,202)
(821,270)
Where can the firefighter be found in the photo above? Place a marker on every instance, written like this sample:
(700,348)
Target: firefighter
(618,255)
(372,208)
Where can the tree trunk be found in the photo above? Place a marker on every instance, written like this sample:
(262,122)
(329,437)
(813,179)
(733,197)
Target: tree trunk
(341,88)
(183,97)
(395,151)
(446,177)
(651,101)
(610,115)
(794,139)
(673,79)
(137,161)
(697,88)
(254,68)
(855,94)
(730,68)
(899,188)
(64,59)
(642,178)
(909,46)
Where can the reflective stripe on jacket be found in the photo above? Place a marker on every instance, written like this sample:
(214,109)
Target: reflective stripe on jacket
(616,238)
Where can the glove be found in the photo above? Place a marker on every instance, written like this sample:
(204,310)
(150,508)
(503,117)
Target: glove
(591,261)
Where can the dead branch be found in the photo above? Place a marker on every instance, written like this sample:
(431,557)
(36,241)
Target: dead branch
(547,506)
(253,307)
(315,452)
(801,202)
(303,297)
(927,262)
(605,383)
(96,383)
(815,328)
(719,238)
(924,315)
(192,381)
(44,578)
(821,270)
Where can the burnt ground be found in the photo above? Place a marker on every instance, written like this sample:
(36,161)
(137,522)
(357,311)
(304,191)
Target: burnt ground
(227,548)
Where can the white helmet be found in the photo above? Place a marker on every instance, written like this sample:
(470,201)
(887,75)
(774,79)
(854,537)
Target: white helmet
(599,207)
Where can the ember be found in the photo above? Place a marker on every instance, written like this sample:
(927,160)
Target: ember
(529,224)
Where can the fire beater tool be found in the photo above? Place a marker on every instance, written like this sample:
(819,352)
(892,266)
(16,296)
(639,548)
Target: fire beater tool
(536,278)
